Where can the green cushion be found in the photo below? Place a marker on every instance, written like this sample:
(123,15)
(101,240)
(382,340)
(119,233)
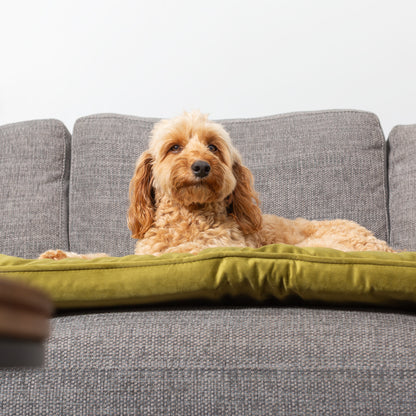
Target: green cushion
(283,272)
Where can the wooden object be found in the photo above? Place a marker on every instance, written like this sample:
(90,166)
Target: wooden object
(24,323)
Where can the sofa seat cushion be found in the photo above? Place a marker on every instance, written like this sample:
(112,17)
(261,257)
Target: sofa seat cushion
(282,272)
(402,179)
(34,178)
(318,165)
(221,361)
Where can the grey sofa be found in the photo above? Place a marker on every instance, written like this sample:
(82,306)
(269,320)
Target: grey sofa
(236,357)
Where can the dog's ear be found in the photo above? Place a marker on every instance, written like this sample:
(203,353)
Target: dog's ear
(141,212)
(244,202)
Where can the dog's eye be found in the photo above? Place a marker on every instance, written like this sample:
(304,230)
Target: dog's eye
(212,148)
(175,148)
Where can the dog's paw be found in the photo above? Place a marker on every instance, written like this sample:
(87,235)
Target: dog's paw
(54,255)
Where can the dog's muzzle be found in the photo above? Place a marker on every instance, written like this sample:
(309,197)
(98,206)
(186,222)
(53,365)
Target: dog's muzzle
(201,169)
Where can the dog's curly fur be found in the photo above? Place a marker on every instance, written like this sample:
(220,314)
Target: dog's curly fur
(191,191)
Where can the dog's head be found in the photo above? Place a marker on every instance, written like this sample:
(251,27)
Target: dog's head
(192,161)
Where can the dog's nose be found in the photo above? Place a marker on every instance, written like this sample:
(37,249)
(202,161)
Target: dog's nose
(200,168)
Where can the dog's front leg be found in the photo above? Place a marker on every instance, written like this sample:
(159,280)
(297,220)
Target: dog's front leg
(60,254)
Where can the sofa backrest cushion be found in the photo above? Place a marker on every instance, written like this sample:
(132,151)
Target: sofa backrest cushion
(105,148)
(34,178)
(402,189)
(318,165)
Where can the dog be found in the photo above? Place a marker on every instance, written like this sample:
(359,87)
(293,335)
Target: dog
(190,191)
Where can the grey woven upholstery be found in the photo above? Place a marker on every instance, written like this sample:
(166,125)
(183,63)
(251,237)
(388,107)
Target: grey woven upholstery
(34,177)
(318,165)
(104,152)
(222,361)
(402,178)
(312,165)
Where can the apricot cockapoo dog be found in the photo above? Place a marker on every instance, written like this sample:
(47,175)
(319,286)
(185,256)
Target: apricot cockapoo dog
(190,191)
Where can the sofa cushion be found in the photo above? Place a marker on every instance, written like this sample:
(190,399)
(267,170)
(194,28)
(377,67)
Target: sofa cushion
(34,177)
(104,152)
(285,273)
(402,189)
(221,361)
(318,165)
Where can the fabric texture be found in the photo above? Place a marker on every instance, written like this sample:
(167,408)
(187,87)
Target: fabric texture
(34,177)
(317,165)
(285,273)
(104,152)
(402,180)
(310,165)
(221,361)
